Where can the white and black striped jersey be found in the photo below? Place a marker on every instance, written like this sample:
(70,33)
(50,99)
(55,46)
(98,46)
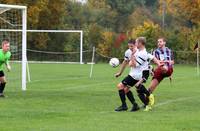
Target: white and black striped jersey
(127,55)
(142,63)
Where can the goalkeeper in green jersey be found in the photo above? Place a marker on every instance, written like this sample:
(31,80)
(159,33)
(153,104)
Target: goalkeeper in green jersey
(5,55)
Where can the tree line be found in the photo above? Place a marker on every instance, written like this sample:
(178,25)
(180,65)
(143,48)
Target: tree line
(108,24)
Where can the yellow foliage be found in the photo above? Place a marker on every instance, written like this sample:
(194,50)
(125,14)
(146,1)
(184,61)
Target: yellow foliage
(105,46)
(147,28)
(97,4)
(187,9)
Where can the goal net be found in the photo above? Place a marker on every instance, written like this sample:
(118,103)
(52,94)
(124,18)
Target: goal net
(13,27)
(55,46)
(59,53)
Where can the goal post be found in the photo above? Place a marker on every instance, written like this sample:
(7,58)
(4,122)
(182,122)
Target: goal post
(15,26)
(198,71)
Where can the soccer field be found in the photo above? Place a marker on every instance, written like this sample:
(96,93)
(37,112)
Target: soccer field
(63,97)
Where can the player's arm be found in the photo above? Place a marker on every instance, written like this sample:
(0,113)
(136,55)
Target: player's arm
(122,67)
(132,62)
(157,62)
(124,64)
(171,62)
(139,82)
(8,66)
(7,63)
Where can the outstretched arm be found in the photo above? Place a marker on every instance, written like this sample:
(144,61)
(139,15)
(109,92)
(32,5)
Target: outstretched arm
(122,67)
(171,62)
(157,62)
(133,62)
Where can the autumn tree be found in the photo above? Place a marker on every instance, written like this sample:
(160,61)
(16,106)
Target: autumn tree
(149,30)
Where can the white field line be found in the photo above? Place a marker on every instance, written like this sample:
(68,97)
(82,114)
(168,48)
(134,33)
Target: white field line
(175,100)
(162,103)
(157,105)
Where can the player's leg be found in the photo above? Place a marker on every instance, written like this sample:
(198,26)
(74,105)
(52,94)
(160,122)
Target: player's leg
(131,98)
(123,88)
(129,95)
(143,93)
(2,83)
(154,83)
(150,98)
(130,82)
(2,86)
(122,96)
(159,74)
(157,78)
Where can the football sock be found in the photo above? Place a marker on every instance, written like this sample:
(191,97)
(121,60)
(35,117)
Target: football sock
(143,90)
(143,98)
(149,90)
(129,94)
(2,87)
(122,97)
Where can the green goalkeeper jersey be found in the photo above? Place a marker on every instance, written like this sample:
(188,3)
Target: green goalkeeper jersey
(4,57)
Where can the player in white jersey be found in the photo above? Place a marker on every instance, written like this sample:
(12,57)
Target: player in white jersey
(140,69)
(138,59)
(127,81)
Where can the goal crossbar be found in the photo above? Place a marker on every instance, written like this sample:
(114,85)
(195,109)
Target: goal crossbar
(45,31)
(13,6)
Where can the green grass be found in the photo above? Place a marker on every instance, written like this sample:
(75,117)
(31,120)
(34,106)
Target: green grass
(62,97)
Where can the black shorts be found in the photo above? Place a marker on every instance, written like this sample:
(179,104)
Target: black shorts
(129,81)
(1,74)
(145,75)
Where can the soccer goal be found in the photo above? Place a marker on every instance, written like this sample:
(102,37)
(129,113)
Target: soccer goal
(13,24)
(36,46)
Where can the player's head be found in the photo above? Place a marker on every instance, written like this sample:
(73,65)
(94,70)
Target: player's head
(161,42)
(141,42)
(131,44)
(5,45)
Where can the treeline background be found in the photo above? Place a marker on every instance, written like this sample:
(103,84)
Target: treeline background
(108,24)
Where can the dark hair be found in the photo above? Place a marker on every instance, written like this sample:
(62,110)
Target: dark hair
(142,40)
(131,41)
(163,38)
(7,40)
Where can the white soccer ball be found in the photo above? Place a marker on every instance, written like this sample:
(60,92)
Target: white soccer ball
(114,62)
